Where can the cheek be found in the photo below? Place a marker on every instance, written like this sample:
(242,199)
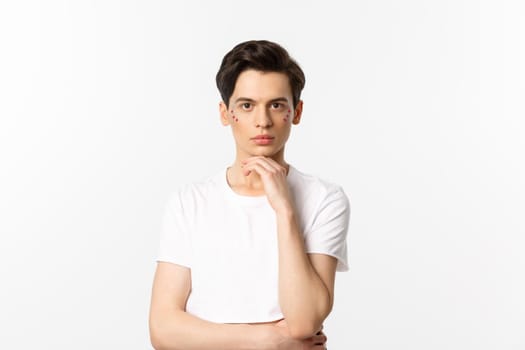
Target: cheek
(234,118)
(287,116)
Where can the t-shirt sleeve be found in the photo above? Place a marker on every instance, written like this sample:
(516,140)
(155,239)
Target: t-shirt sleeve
(174,245)
(330,227)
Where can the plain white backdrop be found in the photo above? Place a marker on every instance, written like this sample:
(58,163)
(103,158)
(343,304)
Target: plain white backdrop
(415,107)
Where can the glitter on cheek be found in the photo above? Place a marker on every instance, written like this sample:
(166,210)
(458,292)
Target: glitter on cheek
(234,117)
(287,115)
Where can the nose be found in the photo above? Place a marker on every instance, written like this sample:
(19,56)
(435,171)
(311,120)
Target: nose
(263,119)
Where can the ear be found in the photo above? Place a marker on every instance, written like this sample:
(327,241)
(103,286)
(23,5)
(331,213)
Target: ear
(298,111)
(223,110)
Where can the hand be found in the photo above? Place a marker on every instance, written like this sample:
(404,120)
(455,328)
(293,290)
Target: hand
(273,176)
(276,336)
(317,342)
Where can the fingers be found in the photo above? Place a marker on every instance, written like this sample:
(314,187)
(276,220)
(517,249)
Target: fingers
(313,345)
(266,159)
(274,181)
(258,168)
(268,163)
(262,165)
(318,339)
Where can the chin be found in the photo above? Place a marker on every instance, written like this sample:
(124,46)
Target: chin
(265,152)
(262,151)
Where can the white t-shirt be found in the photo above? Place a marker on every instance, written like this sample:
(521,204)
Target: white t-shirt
(229,241)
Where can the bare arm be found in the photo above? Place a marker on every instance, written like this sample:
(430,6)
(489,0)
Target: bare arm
(306,282)
(172,328)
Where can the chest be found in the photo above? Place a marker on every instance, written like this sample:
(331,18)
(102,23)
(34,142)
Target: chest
(229,239)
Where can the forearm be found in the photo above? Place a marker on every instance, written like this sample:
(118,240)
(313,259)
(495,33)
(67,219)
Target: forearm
(179,330)
(304,298)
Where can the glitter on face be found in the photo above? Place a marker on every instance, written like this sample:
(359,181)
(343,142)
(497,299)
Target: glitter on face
(287,116)
(234,117)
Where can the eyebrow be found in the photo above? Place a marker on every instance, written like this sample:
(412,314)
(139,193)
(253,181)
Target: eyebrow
(279,99)
(244,99)
(247,99)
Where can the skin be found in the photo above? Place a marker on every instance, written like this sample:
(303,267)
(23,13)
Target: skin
(261,103)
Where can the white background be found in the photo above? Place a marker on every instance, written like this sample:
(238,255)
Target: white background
(415,107)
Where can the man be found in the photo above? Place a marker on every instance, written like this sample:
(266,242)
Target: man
(247,257)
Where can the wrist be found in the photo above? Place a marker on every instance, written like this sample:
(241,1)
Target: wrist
(286,215)
(262,337)
(285,211)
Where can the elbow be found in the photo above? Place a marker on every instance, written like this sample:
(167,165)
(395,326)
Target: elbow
(156,344)
(158,337)
(303,330)
(304,327)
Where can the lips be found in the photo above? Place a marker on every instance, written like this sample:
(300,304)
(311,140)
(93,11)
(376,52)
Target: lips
(263,140)
(263,137)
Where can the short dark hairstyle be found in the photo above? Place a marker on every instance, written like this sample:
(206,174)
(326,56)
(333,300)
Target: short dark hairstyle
(260,55)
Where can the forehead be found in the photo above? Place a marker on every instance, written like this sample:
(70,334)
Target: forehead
(259,85)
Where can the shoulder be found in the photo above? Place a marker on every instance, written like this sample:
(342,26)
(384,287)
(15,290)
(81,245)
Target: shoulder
(316,188)
(188,194)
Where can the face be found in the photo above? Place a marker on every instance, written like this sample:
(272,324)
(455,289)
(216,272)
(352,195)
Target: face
(261,113)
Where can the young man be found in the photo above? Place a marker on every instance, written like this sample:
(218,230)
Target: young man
(247,257)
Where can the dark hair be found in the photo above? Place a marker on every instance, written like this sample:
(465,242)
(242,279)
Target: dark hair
(261,55)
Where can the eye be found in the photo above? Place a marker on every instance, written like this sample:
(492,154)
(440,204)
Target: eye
(276,105)
(246,105)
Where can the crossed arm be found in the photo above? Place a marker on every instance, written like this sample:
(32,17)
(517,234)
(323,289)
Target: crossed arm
(306,288)
(171,327)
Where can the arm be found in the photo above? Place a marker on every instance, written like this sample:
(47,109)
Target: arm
(306,282)
(172,328)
